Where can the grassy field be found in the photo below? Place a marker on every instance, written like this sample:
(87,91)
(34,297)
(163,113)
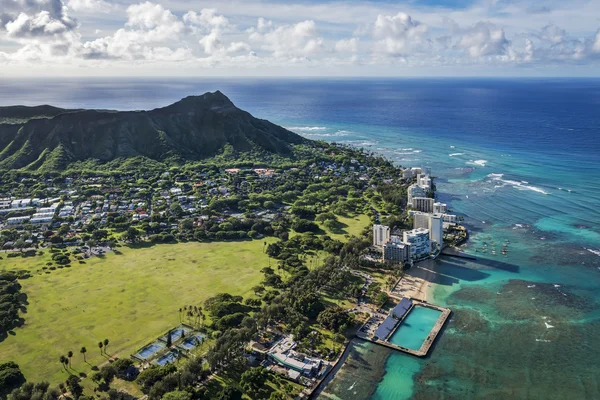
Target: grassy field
(351,226)
(129,298)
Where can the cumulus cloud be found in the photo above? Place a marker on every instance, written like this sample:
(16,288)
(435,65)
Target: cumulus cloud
(213,26)
(485,39)
(89,5)
(36,18)
(45,31)
(347,45)
(297,40)
(399,34)
(148,26)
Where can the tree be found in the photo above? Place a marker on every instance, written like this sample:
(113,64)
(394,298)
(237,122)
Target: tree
(108,373)
(177,395)
(74,386)
(64,361)
(70,354)
(258,289)
(278,396)
(169,343)
(11,377)
(229,393)
(381,299)
(253,380)
(132,234)
(334,318)
(100,346)
(83,351)
(105,345)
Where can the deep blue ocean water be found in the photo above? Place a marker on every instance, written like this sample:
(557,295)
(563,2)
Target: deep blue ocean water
(519,159)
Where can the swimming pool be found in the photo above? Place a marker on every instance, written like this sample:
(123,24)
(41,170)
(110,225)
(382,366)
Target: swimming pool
(415,328)
(148,351)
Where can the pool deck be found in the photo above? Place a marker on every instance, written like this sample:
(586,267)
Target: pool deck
(427,343)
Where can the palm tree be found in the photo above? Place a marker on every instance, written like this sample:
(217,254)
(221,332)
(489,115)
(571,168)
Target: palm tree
(83,351)
(100,346)
(63,362)
(105,345)
(70,354)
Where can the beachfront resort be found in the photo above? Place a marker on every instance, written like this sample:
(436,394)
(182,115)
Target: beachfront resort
(412,325)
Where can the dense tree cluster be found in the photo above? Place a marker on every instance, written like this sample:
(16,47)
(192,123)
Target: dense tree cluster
(11,302)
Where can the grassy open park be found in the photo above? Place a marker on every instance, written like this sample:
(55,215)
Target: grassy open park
(351,226)
(129,298)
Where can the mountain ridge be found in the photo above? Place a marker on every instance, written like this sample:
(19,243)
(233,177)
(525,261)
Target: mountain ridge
(194,128)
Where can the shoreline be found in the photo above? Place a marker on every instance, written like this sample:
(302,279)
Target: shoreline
(417,283)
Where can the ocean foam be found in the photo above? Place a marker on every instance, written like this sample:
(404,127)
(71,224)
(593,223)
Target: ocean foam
(479,163)
(522,185)
(336,134)
(456,154)
(307,128)
(596,252)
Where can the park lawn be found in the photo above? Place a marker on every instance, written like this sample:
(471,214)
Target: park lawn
(130,298)
(351,226)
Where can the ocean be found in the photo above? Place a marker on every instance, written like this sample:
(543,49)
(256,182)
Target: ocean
(518,158)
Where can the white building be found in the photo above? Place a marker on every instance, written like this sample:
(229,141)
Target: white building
(436,230)
(424,204)
(41,220)
(5,202)
(418,239)
(414,191)
(424,181)
(381,235)
(17,220)
(420,220)
(440,208)
(434,223)
(450,218)
(396,252)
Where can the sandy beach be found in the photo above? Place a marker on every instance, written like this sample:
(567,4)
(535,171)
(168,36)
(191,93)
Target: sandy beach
(417,282)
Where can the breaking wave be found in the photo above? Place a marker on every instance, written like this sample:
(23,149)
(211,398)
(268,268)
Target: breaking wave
(522,185)
(479,163)
(306,128)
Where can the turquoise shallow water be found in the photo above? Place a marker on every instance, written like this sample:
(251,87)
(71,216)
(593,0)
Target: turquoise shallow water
(519,159)
(415,328)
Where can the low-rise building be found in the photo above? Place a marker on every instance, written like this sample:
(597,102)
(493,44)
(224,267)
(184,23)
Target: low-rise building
(451,218)
(440,208)
(17,220)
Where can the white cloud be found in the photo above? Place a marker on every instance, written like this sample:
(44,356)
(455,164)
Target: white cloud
(89,6)
(484,39)
(297,40)
(207,17)
(347,45)
(314,37)
(399,35)
(596,45)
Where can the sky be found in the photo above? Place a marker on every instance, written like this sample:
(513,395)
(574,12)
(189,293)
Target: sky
(45,38)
